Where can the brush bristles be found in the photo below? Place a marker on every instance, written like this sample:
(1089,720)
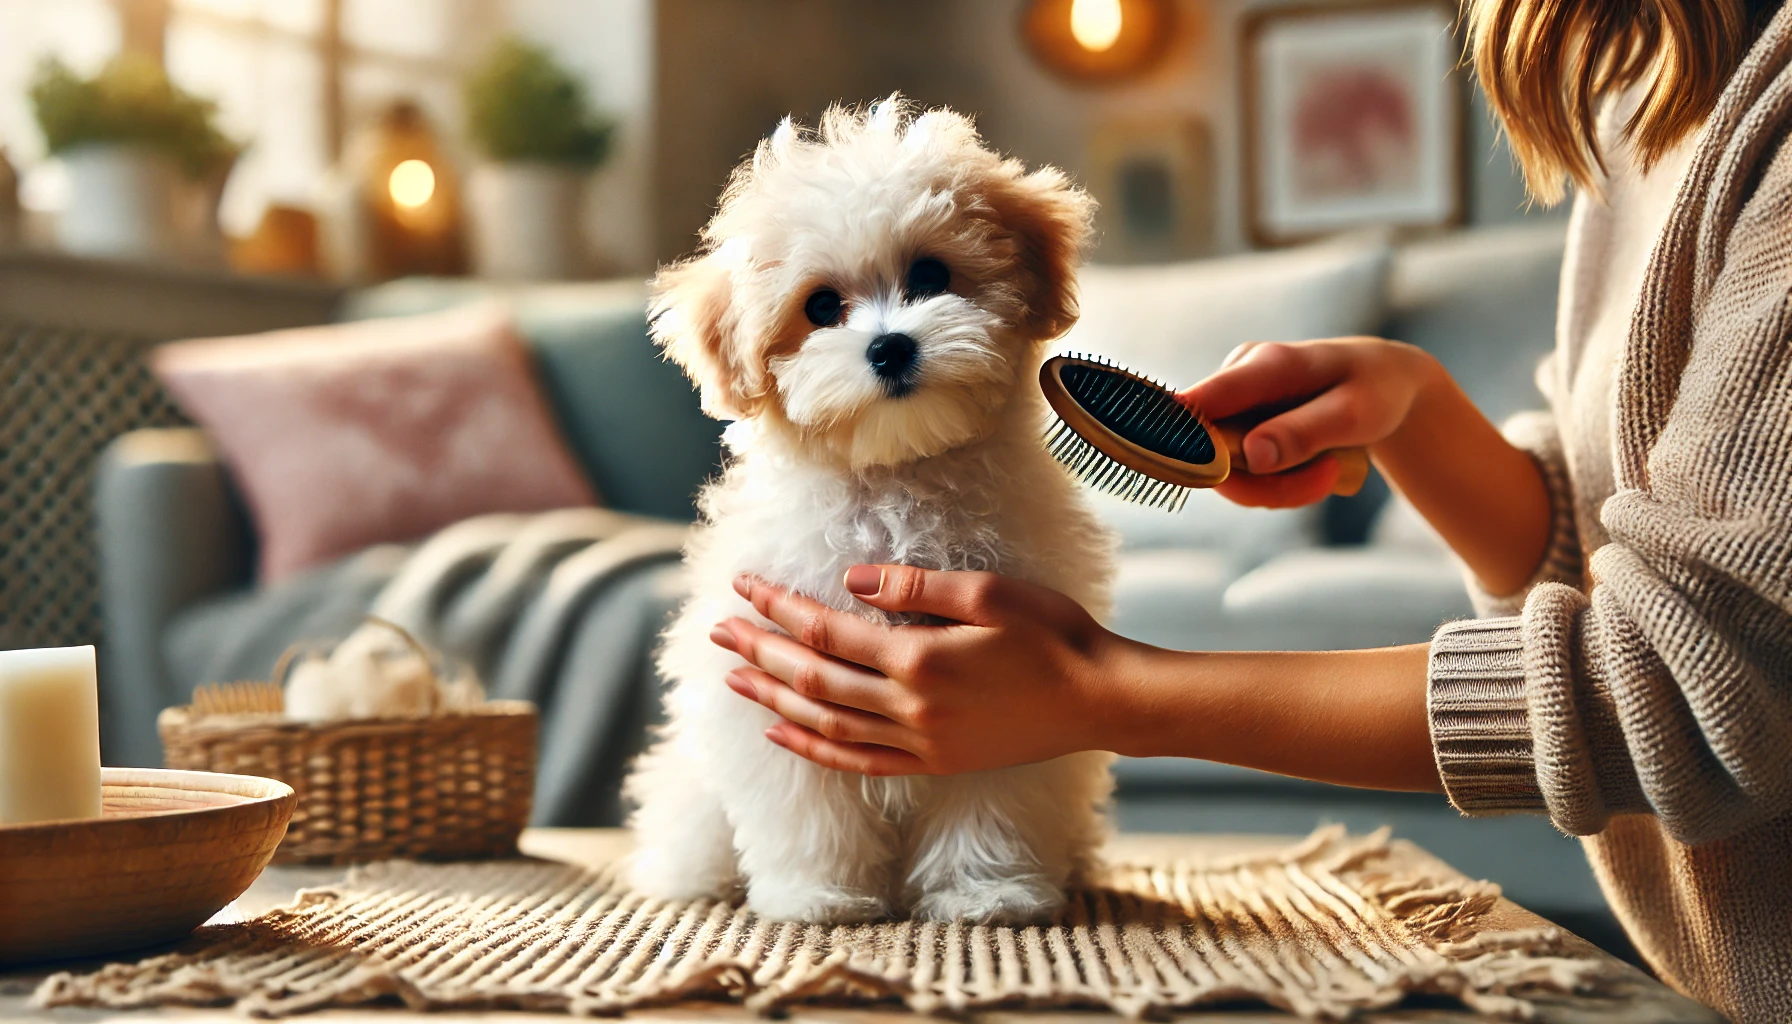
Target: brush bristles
(1139,409)
(1093,467)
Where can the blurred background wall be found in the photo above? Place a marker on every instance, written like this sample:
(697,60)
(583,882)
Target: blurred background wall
(691,84)
(728,69)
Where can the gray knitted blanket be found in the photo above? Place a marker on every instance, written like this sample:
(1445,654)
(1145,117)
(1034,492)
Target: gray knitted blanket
(559,608)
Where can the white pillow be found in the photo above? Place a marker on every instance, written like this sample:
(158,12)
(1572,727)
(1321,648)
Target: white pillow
(1177,321)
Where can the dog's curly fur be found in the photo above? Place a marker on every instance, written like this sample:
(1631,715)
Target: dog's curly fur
(831,467)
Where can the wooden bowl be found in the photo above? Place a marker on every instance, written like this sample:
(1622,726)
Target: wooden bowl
(170,850)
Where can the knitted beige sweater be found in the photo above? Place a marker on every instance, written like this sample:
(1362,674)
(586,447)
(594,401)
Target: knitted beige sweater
(1641,695)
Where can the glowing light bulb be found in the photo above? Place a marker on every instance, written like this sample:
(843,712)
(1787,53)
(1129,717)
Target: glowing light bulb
(1095,23)
(411,184)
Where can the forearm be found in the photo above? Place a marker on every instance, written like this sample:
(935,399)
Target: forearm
(1483,495)
(1353,718)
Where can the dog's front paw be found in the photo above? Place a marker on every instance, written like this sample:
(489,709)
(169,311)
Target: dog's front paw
(1017,901)
(672,875)
(809,903)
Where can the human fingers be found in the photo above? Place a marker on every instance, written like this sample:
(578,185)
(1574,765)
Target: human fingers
(1270,373)
(815,625)
(808,672)
(833,721)
(859,758)
(1291,489)
(1345,416)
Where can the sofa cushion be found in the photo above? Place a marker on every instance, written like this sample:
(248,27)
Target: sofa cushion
(1484,303)
(356,434)
(1177,321)
(1170,598)
(413,295)
(631,417)
(1339,598)
(1241,537)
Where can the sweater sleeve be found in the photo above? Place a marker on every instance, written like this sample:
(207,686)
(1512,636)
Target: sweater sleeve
(1536,433)
(1669,689)
(1480,725)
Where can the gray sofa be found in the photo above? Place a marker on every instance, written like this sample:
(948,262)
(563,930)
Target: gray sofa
(1351,573)
(177,553)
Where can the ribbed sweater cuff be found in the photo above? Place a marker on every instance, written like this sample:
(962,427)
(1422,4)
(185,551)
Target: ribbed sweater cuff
(1480,726)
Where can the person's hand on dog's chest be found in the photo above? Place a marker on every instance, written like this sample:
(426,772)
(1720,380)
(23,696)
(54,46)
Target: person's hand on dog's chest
(1012,678)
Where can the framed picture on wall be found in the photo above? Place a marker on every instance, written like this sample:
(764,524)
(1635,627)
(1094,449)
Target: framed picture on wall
(1353,117)
(1154,180)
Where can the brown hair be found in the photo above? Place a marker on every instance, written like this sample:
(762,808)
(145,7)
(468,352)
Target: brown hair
(1547,64)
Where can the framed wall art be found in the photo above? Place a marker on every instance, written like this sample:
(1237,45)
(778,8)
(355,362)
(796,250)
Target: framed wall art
(1353,117)
(1154,180)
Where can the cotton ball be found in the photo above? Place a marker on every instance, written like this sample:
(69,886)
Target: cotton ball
(312,694)
(382,675)
(462,692)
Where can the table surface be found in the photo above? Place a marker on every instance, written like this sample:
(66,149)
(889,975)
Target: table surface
(1642,1000)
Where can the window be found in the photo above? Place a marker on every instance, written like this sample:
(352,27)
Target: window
(295,78)
(292,78)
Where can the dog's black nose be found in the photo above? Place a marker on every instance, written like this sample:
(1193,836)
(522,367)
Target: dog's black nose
(892,355)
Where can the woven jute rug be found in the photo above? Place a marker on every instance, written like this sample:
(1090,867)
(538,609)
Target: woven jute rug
(1325,929)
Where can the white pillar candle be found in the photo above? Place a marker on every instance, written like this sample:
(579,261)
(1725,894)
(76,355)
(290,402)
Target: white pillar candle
(49,735)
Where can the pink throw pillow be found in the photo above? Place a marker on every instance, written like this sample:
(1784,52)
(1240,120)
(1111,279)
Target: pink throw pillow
(355,434)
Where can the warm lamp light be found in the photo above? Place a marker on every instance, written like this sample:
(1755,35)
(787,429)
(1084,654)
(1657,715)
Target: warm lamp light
(411,183)
(411,197)
(1095,24)
(1095,40)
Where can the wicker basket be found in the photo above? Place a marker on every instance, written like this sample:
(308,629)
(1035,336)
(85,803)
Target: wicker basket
(447,787)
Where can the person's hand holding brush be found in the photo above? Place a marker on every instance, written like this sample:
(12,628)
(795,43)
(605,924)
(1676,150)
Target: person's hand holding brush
(1484,496)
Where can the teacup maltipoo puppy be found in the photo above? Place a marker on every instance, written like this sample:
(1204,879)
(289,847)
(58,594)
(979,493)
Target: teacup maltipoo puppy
(870,306)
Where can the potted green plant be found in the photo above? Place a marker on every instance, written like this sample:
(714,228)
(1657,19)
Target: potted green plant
(135,147)
(538,138)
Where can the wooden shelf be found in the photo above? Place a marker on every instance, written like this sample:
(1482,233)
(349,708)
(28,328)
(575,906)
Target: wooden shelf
(162,301)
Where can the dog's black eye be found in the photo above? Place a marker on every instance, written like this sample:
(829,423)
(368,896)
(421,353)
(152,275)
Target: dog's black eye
(823,308)
(927,277)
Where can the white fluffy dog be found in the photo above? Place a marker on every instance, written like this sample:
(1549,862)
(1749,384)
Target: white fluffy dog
(870,306)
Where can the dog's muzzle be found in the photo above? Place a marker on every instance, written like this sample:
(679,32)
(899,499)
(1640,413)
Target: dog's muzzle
(893,358)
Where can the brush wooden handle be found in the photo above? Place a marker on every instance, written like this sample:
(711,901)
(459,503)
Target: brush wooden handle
(1353,470)
(1353,463)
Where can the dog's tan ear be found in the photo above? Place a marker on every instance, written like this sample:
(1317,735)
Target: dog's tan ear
(691,318)
(1052,221)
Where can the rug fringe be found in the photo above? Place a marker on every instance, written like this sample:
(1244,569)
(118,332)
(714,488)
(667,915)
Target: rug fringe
(1325,929)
